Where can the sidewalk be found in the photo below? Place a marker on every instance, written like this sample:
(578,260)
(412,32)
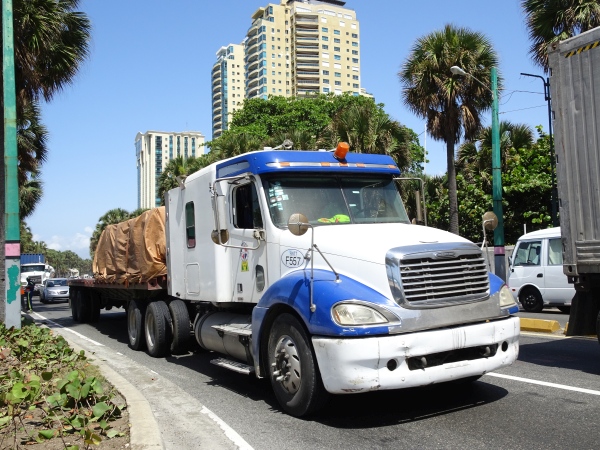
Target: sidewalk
(162,415)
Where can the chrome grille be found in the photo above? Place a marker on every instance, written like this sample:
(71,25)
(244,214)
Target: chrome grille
(429,280)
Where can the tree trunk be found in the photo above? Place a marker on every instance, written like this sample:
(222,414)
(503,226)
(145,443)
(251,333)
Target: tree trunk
(452,191)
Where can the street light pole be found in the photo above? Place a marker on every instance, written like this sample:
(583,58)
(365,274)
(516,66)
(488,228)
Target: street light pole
(499,250)
(554,193)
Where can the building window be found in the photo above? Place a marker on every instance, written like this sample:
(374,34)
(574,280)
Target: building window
(338,83)
(354,44)
(336,49)
(324,38)
(336,40)
(338,75)
(354,36)
(355,52)
(355,60)
(326,90)
(326,72)
(337,57)
(325,30)
(336,32)
(355,77)
(325,47)
(325,81)
(355,86)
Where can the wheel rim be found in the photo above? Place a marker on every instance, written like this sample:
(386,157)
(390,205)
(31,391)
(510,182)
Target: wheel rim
(287,368)
(150,330)
(530,300)
(131,323)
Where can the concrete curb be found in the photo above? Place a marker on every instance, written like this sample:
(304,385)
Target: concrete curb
(144,433)
(539,325)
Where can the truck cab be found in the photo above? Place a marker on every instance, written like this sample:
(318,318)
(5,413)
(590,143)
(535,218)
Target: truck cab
(307,257)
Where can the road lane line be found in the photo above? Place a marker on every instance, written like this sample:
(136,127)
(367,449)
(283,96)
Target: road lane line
(85,338)
(229,432)
(545,383)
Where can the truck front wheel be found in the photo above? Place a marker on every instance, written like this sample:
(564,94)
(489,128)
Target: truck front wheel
(135,325)
(293,369)
(158,329)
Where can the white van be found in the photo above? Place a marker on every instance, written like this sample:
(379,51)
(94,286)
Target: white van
(536,277)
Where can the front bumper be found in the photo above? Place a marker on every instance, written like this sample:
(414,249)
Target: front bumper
(396,362)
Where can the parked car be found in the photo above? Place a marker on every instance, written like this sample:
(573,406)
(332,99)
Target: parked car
(54,289)
(536,277)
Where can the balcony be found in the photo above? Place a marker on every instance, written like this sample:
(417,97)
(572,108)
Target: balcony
(314,46)
(309,56)
(306,31)
(217,103)
(311,82)
(307,19)
(303,73)
(217,117)
(216,81)
(252,83)
(307,38)
(216,95)
(306,64)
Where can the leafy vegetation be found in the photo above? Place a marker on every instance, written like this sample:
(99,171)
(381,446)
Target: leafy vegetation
(48,391)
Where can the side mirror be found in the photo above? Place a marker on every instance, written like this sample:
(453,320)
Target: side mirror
(490,221)
(298,224)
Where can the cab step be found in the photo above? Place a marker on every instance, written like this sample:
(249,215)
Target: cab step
(236,366)
(233,330)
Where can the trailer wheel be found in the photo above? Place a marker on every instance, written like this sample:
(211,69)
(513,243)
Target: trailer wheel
(158,329)
(531,300)
(180,319)
(293,369)
(73,304)
(598,326)
(84,306)
(94,308)
(135,325)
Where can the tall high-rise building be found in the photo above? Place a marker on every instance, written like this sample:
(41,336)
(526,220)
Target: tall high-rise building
(153,150)
(295,48)
(228,77)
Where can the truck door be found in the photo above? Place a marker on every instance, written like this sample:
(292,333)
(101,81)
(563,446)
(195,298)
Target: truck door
(527,266)
(248,264)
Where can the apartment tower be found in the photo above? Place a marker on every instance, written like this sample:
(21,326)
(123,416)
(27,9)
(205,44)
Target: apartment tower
(153,150)
(295,48)
(227,78)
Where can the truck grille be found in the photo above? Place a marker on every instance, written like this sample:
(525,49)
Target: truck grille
(435,277)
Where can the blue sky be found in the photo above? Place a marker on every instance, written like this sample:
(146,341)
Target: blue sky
(149,69)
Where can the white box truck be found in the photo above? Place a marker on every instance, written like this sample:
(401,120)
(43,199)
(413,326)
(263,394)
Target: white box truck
(303,267)
(574,82)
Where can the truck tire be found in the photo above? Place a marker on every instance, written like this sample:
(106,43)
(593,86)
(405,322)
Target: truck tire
(94,308)
(531,300)
(598,326)
(84,306)
(158,329)
(135,325)
(180,319)
(73,305)
(293,369)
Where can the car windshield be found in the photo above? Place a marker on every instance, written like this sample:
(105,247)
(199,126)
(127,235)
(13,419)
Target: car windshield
(33,268)
(52,283)
(335,199)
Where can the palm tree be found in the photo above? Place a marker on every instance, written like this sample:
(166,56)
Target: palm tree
(30,193)
(475,156)
(451,106)
(550,21)
(51,40)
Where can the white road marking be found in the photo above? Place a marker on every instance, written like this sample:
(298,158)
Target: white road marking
(85,338)
(229,432)
(544,383)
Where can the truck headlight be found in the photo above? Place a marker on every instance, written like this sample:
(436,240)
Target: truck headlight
(506,298)
(353,314)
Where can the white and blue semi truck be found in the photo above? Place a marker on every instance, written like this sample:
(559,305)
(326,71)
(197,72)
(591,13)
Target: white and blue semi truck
(303,267)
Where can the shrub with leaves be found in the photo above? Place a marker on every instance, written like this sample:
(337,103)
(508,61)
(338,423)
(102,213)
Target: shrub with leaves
(47,390)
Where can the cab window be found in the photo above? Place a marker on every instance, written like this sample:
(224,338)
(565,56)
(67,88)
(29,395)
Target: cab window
(246,208)
(555,257)
(528,254)
(190,225)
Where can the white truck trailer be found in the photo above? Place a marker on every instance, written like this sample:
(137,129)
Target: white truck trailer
(575,82)
(303,267)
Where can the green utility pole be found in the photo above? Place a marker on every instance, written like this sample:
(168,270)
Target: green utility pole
(499,261)
(13,239)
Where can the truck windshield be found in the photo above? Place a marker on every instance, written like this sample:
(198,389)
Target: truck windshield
(33,268)
(335,199)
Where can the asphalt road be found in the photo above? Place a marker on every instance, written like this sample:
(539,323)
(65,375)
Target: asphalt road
(550,398)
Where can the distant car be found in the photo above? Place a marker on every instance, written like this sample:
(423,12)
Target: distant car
(54,289)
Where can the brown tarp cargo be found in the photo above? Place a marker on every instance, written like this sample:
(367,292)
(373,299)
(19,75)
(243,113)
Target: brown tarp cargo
(133,251)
